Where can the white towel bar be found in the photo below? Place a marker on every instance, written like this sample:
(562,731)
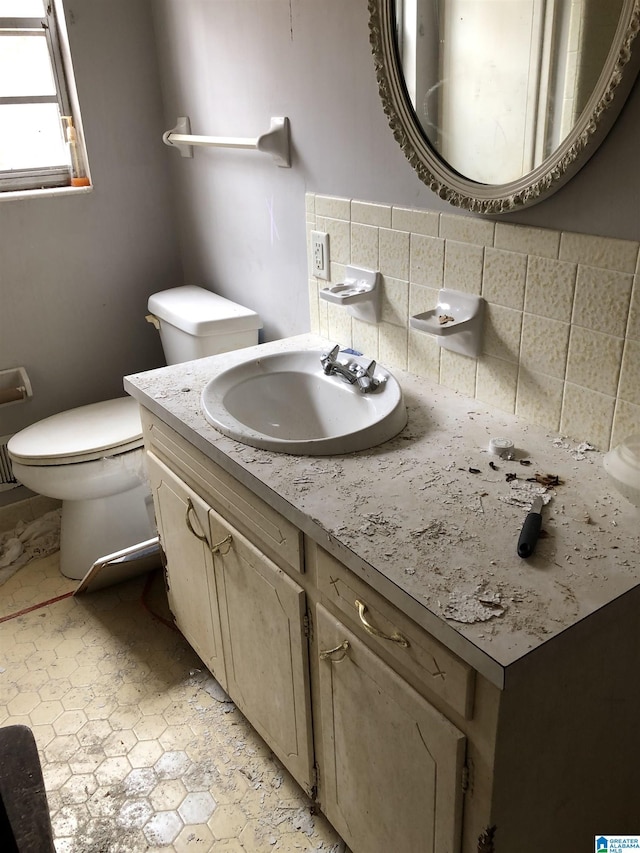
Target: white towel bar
(275,141)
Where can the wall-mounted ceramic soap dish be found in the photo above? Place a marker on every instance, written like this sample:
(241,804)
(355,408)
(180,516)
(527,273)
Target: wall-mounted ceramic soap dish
(456,321)
(359,293)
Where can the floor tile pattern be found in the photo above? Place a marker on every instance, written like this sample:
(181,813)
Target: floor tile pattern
(140,747)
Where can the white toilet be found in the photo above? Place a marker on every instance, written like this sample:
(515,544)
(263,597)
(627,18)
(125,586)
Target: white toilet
(91,458)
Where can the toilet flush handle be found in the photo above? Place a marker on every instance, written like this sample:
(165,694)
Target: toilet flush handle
(151,318)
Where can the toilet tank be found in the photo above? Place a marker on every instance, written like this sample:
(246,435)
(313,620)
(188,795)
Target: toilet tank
(194,323)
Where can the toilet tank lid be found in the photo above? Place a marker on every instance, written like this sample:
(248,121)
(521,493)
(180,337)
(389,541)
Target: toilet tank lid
(200,312)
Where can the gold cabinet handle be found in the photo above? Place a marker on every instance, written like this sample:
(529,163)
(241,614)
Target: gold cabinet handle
(396,637)
(217,549)
(191,509)
(327,654)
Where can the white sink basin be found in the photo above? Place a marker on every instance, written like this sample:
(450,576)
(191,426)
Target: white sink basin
(285,402)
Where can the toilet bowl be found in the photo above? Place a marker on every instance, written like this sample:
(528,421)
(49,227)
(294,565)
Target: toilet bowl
(92,458)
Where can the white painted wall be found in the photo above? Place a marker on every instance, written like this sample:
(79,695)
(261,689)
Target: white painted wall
(75,273)
(231,64)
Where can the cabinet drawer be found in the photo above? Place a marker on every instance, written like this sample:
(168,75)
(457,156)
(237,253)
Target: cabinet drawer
(411,646)
(279,538)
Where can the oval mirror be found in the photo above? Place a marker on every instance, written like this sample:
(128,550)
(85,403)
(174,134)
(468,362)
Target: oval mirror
(497,103)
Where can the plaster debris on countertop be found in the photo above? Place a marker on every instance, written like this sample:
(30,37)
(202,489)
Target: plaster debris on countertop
(427,551)
(411,511)
(521,494)
(479,605)
(577,451)
(375,523)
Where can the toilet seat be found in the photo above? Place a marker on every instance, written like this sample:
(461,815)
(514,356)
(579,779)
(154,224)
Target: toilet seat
(80,435)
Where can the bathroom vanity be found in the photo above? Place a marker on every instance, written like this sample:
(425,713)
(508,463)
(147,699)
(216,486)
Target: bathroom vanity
(368,613)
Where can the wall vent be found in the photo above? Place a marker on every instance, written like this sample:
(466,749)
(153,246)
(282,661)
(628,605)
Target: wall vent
(7,479)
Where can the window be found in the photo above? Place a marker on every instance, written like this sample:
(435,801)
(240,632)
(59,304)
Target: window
(39,146)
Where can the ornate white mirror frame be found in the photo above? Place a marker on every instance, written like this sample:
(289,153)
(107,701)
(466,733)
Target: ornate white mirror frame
(602,108)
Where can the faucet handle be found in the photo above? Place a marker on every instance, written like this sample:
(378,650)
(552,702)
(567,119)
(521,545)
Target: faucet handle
(328,359)
(366,379)
(370,368)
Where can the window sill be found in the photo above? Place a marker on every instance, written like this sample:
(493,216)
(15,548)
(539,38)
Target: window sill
(44,193)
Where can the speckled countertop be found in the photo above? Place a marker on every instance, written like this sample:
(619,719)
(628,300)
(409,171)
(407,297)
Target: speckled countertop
(430,519)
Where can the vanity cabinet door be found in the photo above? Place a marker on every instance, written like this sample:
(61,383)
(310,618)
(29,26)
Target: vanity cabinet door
(182,520)
(266,650)
(390,764)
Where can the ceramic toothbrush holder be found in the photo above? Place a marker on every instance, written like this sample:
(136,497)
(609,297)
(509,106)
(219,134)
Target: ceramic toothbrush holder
(359,293)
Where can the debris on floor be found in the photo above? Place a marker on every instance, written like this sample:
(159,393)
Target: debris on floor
(141,747)
(28,541)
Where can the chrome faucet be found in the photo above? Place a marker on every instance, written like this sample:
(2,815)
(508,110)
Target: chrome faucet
(351,371)
(331,365)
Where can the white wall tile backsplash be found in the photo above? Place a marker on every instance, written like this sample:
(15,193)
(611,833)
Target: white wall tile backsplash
(550,285)
(562,326)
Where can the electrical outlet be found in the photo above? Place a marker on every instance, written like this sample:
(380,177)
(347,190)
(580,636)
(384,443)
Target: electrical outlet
(320,254)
